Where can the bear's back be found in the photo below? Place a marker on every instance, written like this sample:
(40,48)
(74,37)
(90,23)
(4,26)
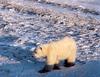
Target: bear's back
(63,47)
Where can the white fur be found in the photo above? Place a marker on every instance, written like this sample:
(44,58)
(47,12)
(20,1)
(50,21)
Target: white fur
(58,50)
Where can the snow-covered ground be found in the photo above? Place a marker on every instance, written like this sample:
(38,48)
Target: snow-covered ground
(26,23)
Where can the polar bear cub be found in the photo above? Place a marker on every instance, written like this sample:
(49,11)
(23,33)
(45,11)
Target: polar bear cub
(64,49)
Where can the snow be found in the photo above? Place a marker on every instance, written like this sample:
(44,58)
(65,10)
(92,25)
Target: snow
(26,24)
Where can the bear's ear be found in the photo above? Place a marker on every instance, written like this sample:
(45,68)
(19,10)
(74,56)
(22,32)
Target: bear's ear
(38,44)
(40,47)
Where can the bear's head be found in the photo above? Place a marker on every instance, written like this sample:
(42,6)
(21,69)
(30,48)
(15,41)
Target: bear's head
(41,51)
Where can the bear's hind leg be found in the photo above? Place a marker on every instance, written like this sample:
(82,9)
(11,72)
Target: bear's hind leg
(70,61)
(68,64)
(46,68)
(56,67)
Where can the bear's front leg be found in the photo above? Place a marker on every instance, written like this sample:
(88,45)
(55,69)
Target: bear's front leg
(46,68)
(51,60)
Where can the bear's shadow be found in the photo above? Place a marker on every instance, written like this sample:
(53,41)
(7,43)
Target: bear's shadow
(14,52)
